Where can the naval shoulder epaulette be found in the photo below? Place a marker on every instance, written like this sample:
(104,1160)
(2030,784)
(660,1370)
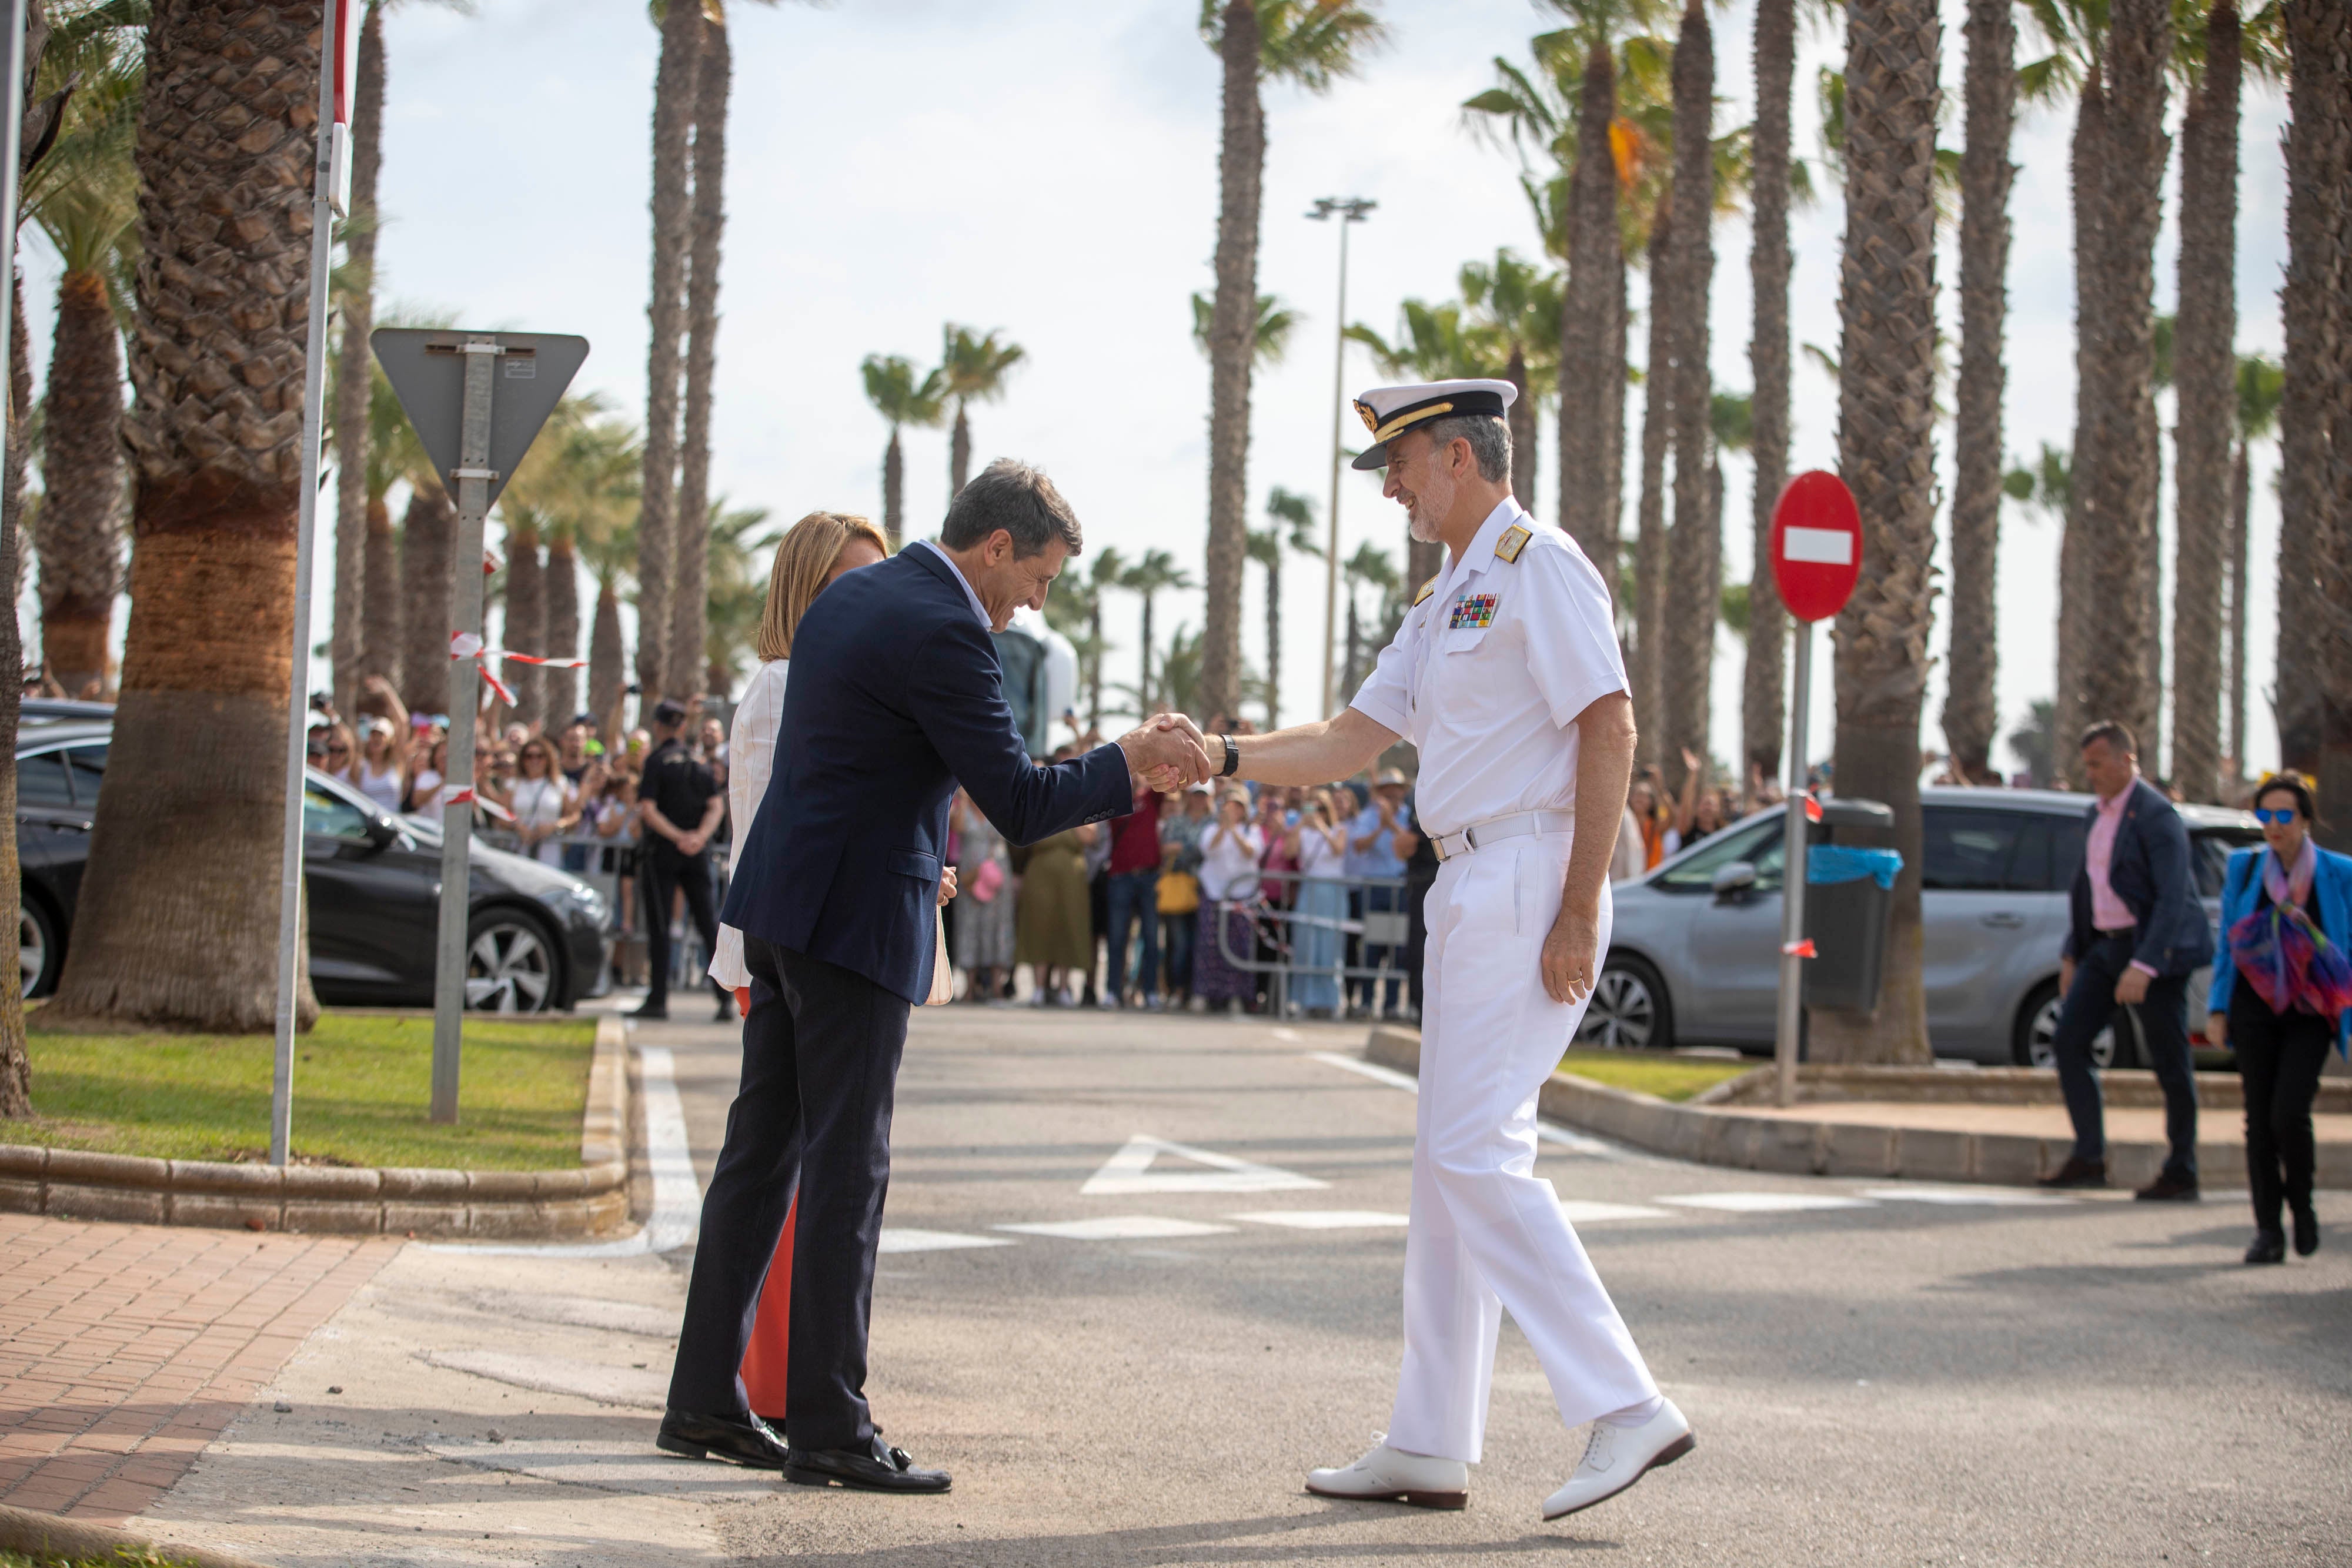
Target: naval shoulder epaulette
(1515,539)
(1426,590)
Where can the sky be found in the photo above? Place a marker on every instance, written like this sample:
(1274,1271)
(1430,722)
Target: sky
(1049,168)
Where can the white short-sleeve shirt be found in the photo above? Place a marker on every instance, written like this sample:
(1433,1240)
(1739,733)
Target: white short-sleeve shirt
(1490,669)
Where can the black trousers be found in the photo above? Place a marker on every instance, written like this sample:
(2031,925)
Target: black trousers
(2163,1021)
(660,873)
(821,1050)
(2279,1060)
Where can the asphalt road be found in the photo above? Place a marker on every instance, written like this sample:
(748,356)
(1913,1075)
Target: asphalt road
(1898,1378)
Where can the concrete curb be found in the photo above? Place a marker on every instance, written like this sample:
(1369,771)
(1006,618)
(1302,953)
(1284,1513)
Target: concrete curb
(44,1534)
(587,1202)
(1719,1135)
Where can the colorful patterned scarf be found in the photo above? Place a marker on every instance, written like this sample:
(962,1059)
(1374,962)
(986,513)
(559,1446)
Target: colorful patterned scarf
(2291,964)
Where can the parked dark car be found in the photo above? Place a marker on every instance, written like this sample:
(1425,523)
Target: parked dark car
(535,942)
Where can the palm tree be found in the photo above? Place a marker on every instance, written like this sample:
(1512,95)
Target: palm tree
(608,543)
(1519,304)
(1312,43)
(974,368)
(428,576)
(1267,547)
(1761,706)
(391,454)
(739,591)
(1270,337)
(1370,567)
(1156,572)
(525,631)
(172,926)
(899,398)
(690,603)
(1107,570)
(85,197)
(1886,386)
(355,376)
(2259,383)
(1694,550)
(2312,515)
(683,33)
(1970,713)
(1648,671)
(541,505)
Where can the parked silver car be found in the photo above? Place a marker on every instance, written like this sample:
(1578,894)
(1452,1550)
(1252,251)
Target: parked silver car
(1694,958)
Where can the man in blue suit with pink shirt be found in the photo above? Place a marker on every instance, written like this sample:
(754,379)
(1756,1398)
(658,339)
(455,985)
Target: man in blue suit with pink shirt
(895,699)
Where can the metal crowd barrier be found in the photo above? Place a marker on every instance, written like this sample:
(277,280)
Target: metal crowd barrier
(1280,929)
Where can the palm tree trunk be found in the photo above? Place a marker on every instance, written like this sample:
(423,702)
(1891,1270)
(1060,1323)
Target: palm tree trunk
(1274,642)
(526,623)
(1143,681)
(674,106)
(80,538)
(2241,495)
(2079,618)
(690,608)
(1094,670)
(2318,343)
(355,373)
(2118,494)
(380,639)
(16,1068)
(1694,553)
(1232,328)
(959,453)
(894,490)
(1650,542)
(607,668)
(2205,383)
(1522,423)
(1972,713)
(1355,644)
(560,689)
(428,577)
(1763,703)
(175,924)
(1595,264)
(1886,388)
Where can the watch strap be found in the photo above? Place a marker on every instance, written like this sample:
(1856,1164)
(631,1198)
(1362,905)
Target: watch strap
(1232,758)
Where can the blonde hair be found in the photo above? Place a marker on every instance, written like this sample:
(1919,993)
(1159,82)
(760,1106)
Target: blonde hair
(804,561)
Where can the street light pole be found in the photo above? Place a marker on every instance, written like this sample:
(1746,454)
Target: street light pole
(1349,210)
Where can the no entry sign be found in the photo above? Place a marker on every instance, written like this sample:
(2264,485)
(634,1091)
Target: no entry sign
(1816,544)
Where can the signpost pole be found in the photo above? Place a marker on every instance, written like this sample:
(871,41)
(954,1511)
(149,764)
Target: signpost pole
(290,946)
(472,477)
(1793,879)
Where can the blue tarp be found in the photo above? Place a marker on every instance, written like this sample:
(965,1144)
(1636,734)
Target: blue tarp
(1829,864)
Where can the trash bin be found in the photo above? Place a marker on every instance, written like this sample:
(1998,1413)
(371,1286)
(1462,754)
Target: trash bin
(1849,899)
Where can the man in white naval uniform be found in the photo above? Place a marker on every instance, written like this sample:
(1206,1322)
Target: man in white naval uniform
(1506,675)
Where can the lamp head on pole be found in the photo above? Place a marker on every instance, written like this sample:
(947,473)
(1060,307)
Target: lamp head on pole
(1350,209)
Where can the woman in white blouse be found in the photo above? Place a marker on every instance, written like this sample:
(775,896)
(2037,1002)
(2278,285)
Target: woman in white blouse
(813,552)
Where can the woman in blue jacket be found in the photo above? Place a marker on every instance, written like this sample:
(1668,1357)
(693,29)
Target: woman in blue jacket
(2281,1052)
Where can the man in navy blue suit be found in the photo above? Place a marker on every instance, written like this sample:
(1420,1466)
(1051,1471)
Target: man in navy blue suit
(2136,934)
(895,698)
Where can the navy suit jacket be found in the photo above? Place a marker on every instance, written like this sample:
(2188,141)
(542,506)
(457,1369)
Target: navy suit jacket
(2149,871)
(895,698)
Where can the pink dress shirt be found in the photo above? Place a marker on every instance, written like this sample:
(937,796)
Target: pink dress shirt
(2108,913)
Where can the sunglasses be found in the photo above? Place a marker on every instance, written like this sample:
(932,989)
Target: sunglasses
(2266,816)
(339,751)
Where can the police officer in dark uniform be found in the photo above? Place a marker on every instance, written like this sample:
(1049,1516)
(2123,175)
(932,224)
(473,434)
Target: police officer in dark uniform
(678,806)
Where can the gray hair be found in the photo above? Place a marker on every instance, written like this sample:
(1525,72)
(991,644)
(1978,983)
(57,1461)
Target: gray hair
(1021,500)
(1489,439)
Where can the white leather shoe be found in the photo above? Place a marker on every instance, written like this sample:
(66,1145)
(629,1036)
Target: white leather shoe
(1388,1475)
(1617,1457)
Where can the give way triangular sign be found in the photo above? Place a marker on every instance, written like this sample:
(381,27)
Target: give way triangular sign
(1130,1171)
(427,369)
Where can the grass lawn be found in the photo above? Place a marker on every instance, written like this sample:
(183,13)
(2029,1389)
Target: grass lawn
(124,1557)
(361,1088)
(1667,1077)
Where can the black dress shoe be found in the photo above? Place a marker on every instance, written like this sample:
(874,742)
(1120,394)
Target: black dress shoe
(2307,1231)
(2169,1189)
(2269,1246)
(745,1440)
(650,1010)
(2078,1172)
(876,1468)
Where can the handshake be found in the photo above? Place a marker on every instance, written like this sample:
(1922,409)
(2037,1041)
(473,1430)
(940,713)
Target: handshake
(1167,752)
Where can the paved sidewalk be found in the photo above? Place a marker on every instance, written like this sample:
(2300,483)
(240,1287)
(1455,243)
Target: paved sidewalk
(125,1349)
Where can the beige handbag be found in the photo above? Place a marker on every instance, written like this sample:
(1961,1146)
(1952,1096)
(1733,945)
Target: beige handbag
(942,973)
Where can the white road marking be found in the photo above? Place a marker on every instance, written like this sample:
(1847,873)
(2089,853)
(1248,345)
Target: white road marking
(1119,1228)
(1583,1211)
(1582,1143)
(1129,1172)
(1323,1218)
(1967,1196)
(677,1193)
(1288,1034)
(1765,1202)
(900,1238)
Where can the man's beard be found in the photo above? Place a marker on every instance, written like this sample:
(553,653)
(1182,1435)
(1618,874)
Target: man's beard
(1428,510)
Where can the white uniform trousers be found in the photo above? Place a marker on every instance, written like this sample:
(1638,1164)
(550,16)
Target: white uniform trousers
(1487,1233)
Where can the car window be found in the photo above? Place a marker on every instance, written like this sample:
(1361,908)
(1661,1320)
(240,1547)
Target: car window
(41,782)
(87,764)
(1763,845)
(2209,855)
(1964,851)
(332,817)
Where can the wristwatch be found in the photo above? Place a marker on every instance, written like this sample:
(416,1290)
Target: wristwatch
(1232,758)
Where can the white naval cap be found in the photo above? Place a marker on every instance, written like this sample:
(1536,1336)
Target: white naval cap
(1389,411)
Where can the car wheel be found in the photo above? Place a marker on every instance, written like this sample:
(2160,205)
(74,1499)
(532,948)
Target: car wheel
(1629,1010)
(509,963)
(39,954)
(2037,1034)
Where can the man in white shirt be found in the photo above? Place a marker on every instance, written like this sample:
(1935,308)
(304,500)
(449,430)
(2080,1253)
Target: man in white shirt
(1505,674)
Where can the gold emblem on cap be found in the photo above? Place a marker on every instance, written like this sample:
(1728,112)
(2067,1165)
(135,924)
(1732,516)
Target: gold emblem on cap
(1364,411)
(1515,539)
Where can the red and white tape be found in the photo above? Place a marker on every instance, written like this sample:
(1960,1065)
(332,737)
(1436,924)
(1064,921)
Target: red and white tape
(465,796)
(1804,949)
(465,645)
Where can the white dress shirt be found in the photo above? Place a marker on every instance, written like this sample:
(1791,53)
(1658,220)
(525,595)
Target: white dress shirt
(751,757)
(1488,673)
